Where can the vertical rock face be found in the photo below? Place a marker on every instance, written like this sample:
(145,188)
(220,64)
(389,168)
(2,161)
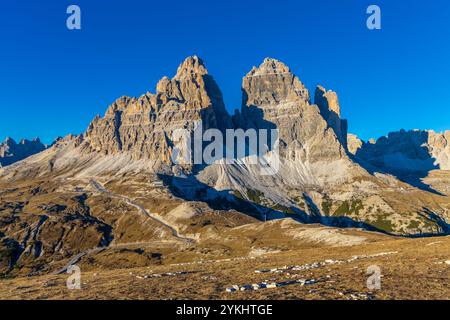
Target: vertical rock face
(272,83)
(439,146)
(273,97)
(328,103)
(144,126)
(11,152)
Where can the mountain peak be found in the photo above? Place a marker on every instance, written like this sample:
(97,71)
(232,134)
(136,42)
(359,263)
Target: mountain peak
(190,66)
(269,66)
(271,83)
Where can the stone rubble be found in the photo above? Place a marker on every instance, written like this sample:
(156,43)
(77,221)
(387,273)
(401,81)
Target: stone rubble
(270,285)
(316,265)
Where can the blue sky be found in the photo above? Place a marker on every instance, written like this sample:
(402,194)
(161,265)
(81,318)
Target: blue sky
(54,81)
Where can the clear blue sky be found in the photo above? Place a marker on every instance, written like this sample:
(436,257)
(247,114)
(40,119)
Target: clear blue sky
(54,81)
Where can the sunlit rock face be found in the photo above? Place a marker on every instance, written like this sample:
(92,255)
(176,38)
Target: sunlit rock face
(353,143)
(144,126)
(273,97)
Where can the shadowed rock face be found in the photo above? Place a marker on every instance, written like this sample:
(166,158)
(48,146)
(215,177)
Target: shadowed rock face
(328,103)
(11,152)
(408,155)
(407,151)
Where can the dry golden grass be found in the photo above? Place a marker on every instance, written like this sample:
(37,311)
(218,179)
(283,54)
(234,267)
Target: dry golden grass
(417,271)
(228,248)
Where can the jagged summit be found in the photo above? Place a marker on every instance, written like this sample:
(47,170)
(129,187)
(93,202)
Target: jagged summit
(191,85)
(143,127)
(271,83)
(269,66)
(190,66)
(406,151)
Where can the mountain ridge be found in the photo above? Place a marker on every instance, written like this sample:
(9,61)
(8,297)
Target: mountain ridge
(319,181)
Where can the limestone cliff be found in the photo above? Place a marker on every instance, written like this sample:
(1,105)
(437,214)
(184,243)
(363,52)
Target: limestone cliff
(143,126)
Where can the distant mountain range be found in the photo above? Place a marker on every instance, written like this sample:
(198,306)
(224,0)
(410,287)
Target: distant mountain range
(11,151)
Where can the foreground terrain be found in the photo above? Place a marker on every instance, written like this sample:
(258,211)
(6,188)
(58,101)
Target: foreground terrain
(136,240)
(410,269)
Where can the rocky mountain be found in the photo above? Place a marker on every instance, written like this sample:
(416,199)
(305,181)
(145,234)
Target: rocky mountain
(411,156)
(143,127)
(312,155)
(118,183)
(274,97)
(11,151)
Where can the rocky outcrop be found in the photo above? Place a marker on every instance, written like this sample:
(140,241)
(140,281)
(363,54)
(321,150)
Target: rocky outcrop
(273,97)
(144,126)
(439,148)
(328,103)
(11,152)
(272,83)
(353,143)
(312,157)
